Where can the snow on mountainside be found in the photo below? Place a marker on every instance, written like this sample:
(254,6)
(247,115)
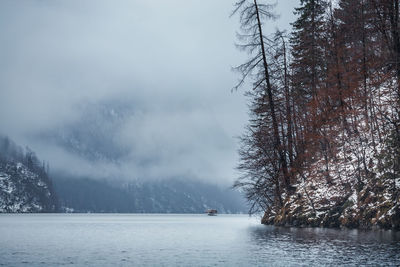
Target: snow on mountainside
(22,190)
(26,187)
(24,184)
(362,189)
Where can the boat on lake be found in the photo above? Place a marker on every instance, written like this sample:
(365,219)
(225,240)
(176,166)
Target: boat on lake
(211,212)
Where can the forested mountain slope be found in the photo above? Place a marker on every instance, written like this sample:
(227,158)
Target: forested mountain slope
(24,183)
(323,144)
(25,186)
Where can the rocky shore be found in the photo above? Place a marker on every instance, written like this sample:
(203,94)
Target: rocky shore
(376,206)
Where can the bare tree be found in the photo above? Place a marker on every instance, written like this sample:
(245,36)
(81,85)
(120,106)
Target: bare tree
(264,155)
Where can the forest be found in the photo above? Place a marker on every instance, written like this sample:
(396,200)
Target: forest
(322,146)
(25,185)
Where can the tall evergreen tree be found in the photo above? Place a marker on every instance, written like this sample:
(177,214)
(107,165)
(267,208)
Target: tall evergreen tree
(308,64)
(308,75)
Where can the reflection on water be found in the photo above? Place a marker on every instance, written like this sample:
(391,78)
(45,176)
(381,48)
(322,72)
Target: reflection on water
(317,235)
(184,240)
(319,246)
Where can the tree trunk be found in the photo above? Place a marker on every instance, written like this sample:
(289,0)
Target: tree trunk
(277,140)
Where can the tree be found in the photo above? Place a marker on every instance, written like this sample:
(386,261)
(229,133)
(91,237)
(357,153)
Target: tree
(263,153)
(308,76)
(325,110)
(308,65)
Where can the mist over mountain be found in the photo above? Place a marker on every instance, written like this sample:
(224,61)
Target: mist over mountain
(92,91)
(104,161)
(119,139)
(94,135)
(26,186)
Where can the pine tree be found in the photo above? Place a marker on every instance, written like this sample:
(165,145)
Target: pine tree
(308,76)
(308,64)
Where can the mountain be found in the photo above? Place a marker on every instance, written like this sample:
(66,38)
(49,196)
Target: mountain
(165,196)
(94,135)
(25,186)
(95,138)
(24,183)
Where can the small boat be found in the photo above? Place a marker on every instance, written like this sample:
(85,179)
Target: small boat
(211,212)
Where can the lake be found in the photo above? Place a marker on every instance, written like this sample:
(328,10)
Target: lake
(183,240)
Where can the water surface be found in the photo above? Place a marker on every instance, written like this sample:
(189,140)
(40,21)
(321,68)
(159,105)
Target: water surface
(183,240)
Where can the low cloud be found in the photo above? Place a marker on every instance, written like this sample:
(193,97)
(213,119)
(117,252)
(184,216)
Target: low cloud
(163,68)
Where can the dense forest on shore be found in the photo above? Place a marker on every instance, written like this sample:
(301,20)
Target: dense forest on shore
(322,147)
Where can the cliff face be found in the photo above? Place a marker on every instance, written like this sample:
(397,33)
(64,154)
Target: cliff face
(375,206)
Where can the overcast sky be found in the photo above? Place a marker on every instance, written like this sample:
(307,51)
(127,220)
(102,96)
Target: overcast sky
(169,61)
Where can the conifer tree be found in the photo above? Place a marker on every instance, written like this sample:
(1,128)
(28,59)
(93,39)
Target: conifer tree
(308,64)
(308,74)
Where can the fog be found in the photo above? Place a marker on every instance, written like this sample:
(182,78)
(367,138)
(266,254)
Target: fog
(125,89)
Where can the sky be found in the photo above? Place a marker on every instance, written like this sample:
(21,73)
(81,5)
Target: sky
(129,89)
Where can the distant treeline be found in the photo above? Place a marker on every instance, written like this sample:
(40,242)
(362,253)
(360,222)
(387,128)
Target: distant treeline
(25,185)
(10,151)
